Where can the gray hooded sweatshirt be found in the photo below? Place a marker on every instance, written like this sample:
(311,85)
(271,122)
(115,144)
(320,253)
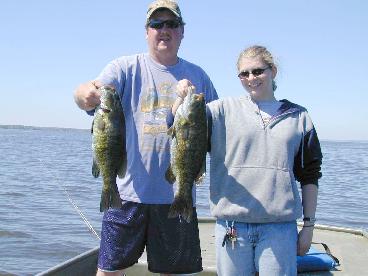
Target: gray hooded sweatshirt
(254,168)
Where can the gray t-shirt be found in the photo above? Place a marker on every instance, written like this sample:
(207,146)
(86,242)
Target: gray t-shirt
(147,91)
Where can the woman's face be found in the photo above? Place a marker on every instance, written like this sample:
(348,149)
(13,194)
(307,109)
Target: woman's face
(256,77)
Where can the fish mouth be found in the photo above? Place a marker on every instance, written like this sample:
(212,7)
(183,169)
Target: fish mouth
(104,108)
(198,97)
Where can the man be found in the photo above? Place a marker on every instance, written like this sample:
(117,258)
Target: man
(146,84)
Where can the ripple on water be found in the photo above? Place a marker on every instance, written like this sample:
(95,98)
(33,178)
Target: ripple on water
(40,228)
(13,234)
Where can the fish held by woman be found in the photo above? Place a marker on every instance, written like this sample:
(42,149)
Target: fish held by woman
(188,152)
(108,144)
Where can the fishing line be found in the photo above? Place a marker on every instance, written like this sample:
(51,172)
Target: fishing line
(89,225)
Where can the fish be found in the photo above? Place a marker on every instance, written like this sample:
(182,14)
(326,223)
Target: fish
(108,146)
(187,152)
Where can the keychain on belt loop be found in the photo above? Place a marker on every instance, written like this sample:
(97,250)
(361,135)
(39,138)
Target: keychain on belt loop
(230,234)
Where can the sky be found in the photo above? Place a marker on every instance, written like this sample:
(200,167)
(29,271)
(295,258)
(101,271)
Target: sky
(47,48)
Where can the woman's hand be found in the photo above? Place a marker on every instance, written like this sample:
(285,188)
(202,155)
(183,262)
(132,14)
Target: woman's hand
(304,240)
(309,201)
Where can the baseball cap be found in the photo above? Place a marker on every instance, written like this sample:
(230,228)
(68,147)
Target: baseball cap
(164,4)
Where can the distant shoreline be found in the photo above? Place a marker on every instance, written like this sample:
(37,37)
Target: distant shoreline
(85,129)
(39,127)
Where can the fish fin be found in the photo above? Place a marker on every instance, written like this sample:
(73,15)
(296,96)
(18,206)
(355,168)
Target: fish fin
(123,166)
(123,162)
(95,169)
(182,207)
(169,175)
(104,203)
(93,121)
(171,131)
(185,130)
(202,174)
(186,133)
(101,125)
(110,198)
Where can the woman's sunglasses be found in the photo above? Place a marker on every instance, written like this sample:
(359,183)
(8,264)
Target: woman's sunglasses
(254,72)
(159,24)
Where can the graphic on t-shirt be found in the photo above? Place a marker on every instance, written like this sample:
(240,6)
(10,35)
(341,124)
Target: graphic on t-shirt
(155,105)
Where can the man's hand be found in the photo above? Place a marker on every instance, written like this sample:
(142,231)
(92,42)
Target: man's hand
(181,90)
(86,96)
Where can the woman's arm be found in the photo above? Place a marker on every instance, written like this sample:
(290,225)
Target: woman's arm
(307,170)
(309,201)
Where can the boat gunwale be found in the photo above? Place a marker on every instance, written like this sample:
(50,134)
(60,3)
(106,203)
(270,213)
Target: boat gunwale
(93,251)
(70,262)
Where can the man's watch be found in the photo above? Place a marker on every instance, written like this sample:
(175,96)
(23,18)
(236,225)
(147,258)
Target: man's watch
(309,219)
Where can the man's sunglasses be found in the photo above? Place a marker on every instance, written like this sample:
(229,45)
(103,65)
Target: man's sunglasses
(159,24)
(254,72)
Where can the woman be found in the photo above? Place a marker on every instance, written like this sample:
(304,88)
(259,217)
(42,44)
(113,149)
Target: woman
(259,147)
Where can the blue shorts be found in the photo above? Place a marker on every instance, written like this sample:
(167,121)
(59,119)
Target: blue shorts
(172,245)
(269,248)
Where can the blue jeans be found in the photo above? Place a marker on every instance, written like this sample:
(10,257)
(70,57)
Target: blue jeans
(269,248)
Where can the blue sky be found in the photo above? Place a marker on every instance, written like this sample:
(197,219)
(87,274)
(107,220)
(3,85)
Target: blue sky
(320,47)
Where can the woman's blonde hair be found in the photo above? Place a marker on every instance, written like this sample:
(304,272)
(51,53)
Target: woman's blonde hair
(258,51)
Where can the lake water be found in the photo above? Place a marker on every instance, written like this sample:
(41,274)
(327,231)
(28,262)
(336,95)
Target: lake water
(40,228)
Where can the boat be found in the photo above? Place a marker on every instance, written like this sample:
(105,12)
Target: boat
(349,246)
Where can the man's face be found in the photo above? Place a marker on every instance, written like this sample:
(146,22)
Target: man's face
(164,40)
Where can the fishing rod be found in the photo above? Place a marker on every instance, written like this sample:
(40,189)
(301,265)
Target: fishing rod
(84,218)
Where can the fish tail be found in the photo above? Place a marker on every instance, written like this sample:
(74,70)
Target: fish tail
(95,169)
(183,207)
(110,198)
